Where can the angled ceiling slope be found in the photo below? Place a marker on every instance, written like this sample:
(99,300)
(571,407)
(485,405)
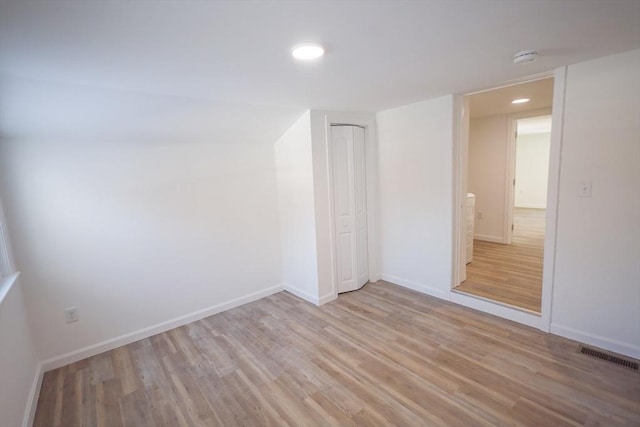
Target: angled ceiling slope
(379,54)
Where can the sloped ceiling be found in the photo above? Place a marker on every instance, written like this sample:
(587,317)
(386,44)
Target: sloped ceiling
(221,64)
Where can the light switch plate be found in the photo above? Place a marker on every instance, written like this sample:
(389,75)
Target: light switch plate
(584,190)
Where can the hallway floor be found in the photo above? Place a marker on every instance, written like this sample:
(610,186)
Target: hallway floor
(511,274)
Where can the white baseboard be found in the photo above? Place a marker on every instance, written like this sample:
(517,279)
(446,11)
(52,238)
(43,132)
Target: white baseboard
(596,340)
(434,292)
(479,304)
(487,238)
(302,294)
(497,309)
(32,401)
(110,344)
(327,298)
(530,206)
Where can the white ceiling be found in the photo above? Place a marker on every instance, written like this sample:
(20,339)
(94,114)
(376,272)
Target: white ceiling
(498,101)
(380,54)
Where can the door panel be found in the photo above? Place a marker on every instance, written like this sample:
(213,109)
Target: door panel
(342,176)
(360,195)
(345,245)
(349,188)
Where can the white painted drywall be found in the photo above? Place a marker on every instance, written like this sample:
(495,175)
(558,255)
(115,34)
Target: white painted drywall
(37,110)
(137,234)
(18,356)
(532,170)
(415,190)
(596,294)
(487,169)
(294,170)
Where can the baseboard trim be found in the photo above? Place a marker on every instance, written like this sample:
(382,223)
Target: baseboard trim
(32,401)
(110,344)
(498,309)
(486,238)
(327,298)
(301,294)
(434,292)
(596,340)
(530,206)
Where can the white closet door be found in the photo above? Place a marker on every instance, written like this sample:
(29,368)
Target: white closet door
(350,206)
(360,195)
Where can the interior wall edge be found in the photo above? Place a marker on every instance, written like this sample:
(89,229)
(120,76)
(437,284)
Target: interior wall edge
(34,393)
(19,359)
(301,294)
(327,298)
(112,343)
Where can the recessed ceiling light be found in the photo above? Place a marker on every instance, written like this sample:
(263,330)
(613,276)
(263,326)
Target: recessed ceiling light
(520,100)
(307,51)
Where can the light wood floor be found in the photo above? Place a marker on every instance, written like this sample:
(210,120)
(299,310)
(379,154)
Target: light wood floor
(384,355)
(511,274)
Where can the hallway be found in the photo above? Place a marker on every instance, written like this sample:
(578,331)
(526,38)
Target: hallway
(511,274)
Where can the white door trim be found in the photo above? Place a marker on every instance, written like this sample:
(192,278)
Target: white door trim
(460,158)
(460,153)
(510,167)
(553,195)
(368,123)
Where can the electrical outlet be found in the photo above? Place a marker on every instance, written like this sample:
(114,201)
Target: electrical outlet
(71,315)
(480,215)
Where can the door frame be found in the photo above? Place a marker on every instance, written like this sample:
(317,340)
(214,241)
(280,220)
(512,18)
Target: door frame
(460,159)
(509,184)
(321,123)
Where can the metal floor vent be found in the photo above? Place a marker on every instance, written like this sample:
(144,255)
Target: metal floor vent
(609,357)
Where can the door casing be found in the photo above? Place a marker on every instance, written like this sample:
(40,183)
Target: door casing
(460,153)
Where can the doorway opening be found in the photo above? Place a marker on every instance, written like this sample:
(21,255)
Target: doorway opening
(507,171)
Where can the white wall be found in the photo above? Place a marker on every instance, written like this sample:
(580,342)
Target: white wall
(415,195)
(487,174)
(18,356)
(596,294)
(135,235)
(294,169)
(38,110)
(532,170)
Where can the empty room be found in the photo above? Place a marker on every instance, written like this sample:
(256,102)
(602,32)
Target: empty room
(271,213)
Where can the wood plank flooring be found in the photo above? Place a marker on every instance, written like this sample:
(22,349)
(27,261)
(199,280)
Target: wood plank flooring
(384,355)
(511,274)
